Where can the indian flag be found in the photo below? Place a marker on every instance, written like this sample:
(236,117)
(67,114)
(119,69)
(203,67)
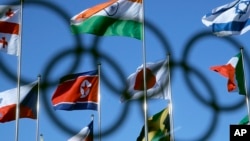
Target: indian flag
(233,70)
(112,18)
(9,28)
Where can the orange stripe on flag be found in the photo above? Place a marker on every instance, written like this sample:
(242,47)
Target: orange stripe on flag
(138,1)
(7,27)
(91,11)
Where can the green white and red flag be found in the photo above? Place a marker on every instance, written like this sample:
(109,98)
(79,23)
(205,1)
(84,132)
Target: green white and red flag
(234,71)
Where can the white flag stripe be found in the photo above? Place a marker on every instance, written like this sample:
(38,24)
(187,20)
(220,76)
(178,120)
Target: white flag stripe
(9,97)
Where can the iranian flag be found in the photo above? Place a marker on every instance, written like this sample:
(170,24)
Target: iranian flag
(112,18)
(9,28)
(233,70)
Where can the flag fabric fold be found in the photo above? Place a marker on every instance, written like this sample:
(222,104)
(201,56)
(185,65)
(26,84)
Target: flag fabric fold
(234,72)
(28,102)
(158,127)
(86,134)
(112,18)
(77,92)
(9,28)
(229,19)
(157,82)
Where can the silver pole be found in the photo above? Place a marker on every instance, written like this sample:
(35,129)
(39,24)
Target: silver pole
(245,85)
(144,76)
(19,72)
(171,104)
(38,107)
(99,99)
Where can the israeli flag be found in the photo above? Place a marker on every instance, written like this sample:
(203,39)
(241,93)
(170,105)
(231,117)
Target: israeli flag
(229,19)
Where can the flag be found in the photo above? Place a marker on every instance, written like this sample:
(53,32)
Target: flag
(86,134)
(158,127)
(234,72)
(244,121)
(229,19)
(9,28)
(157,82)
(77,92)
(112,18)
(28,102)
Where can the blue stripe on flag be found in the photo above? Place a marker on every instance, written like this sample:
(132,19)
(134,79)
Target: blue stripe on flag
(76,106)
(230,26)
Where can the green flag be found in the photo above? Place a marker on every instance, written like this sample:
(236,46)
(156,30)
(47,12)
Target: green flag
(158,127)
(244,121)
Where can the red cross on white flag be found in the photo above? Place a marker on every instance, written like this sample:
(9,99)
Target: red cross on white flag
(9,28)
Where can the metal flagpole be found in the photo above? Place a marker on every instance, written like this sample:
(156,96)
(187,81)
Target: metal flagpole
(19,50)
(246,96)
(144,76)
(38,107)
(99,99)
(171,133)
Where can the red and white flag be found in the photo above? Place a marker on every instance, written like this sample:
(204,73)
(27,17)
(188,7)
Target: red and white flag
(77,92)
(157,82)
(9,28)
(86,134)
(28,102)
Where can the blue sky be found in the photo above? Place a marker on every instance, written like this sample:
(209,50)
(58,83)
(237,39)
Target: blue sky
(174,27)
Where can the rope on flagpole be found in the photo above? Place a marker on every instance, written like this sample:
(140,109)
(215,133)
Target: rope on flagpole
(245,85)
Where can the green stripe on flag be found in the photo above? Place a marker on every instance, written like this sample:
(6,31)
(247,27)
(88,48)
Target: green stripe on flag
(101,25)
(239,71)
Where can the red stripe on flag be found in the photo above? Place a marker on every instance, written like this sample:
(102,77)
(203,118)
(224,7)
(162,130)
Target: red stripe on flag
(7,27)
(8,113)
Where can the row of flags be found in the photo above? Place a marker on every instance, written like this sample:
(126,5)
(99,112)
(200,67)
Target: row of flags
(118,18)
(112,18)
(79,91)
(124,18)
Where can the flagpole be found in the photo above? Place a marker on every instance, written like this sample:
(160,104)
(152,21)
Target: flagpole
(170,105)
(246,96)
(38,107)
(144,76)
(99,99)
(19,52)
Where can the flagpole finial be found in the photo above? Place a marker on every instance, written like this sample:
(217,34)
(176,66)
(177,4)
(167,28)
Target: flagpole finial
(39,75)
